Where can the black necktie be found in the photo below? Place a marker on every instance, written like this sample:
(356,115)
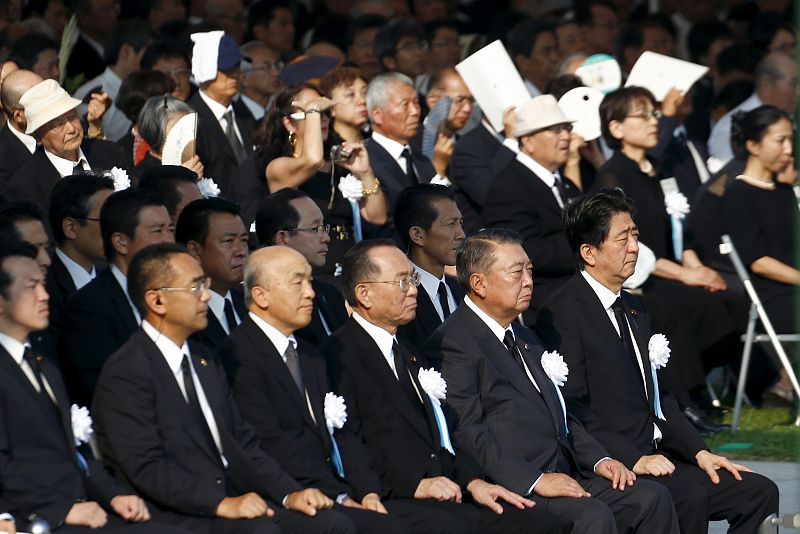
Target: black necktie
(33,363)
(442,292)
(78,168)
(512,347)
(402,376)
(194,404)
(293,363)
(562,189)
(230,317)
(409,165)
(233,139)
(624,333)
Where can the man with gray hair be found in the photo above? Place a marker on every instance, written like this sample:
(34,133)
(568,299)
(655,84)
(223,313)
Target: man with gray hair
(16,147)
(776,85)
(394,112)
(260,81)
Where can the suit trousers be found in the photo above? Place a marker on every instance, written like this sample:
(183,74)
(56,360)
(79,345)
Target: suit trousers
(644,507)
(117,525)
(744,504)
(283,522)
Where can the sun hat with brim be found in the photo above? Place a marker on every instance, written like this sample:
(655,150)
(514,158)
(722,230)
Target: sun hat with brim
(44,102)
(538,113)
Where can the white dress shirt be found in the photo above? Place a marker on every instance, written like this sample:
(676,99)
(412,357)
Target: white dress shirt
(719,142)
(173,354)
(254,107)
(115,124)
(80,277)
(382,338)
(28,140)
(122,280)
(607,299)
(217,305)
(65,167)
(218,110)
(17,351)
(395,150)
(547,177)
(431,286)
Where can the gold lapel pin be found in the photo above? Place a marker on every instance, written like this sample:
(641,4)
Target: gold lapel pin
(413,359)
(203,362)
(633,312)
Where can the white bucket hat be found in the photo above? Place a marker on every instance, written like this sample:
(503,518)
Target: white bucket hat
(538,113)
(44,102)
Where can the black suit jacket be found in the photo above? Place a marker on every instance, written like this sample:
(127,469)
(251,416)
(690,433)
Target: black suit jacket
(403,445)
(605,389)
(214,334)
(519,200)
(148,434)
(13,155)
(38,458)
(271,402)
(213,147)
(330,302)
(84,60)
(60,287)
(478,158)
(36,178)
(393,178)
(417,332)
(97,321)
(500,418)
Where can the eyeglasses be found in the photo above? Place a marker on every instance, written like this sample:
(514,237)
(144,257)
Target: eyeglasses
(404,283)
(646,115)
(203,284)
(413,46)
(557,128)
(320,229)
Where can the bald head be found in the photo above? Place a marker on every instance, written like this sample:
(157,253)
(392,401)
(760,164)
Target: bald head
(14,86)
(776,81)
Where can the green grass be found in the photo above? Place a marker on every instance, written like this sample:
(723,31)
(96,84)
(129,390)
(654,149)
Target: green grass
(769,432)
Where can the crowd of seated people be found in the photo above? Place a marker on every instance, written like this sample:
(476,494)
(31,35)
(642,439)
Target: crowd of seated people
(300,312)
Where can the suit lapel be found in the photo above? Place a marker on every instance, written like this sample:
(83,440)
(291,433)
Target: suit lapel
(315,398)
(389,165)
(639,337)
(427,317)
(539,189)
(532,355)
(211,125)
(119,300)
(62,276)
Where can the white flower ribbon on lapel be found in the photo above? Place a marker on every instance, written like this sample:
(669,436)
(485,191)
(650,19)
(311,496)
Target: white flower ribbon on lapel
(81,424)
(677,204)
(208,188)
(120,178)
(436,389)
(557,370)
(659,350)
(335,411)
(351,187)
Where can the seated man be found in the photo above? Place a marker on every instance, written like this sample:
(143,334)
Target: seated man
(509,413)
(398,421)
(174,185)
(290,208)
(44,475)
(165,419)
(613,387)
(429,225)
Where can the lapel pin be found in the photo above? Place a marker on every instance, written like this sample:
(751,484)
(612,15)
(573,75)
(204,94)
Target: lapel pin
(525,346)
(633,312)
(39,358)
(203,362)
(413,359)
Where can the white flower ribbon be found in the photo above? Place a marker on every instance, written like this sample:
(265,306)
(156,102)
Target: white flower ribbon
(557,370)
(208,188)
(436,388)
(351,187)
(335,411)
(81,424)
(659,351)
(677,204)
(120,178)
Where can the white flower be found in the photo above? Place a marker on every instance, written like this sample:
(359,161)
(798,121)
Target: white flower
(351,187)
(335,411)
(677,204)
(208,188)
(120,177)
(658,346)
(555,367)
(433,384)
(441,180)
(337,272)
(81,424)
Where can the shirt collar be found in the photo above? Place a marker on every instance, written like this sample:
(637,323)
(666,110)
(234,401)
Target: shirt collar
(171,352)
(28,140)
(606,296)
(217,303)
(278,340)
(394,148)
(65,167)
(122,280)
(536,168)
(255,108)
(111,81)
(80,277)
(15,348)
(429,282)
(497,329)
(217,109)
(382,338)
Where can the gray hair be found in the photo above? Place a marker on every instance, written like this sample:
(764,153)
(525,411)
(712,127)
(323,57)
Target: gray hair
(475,254)
(378,89)
(773,68)
(152,121)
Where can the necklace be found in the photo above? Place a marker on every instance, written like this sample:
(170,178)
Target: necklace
(755,182)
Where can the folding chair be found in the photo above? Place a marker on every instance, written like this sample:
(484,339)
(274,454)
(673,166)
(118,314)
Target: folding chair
(757,312)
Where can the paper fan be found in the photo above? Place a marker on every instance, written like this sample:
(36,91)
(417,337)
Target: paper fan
(582,105)
(600,71)
(180,138)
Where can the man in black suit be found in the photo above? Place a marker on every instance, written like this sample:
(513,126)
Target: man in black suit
(400,421)
(529,195)
(213,233)
(174,185)
(224,134)
(63,151)
(508,410)
(166,420)
(429,225)
(74,217)
(44,474)
(277,215)
(604,335)
(101,317)
(394,114)
(96,20)
(16,147)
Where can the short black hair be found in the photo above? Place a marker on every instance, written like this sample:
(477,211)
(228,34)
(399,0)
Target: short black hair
(632,34)
(763,28)
(363,22)
(133,32)
(138,87)
(17,211)
(193,222)
(476,252)
(357,266)
(149,269)
(583,10)
(387,38)
(702,36)
(738,58)
(261,13)
(13,249)
(28,47)
(275,213)
(432,27)
(162,182)
(70,198)
(522,37)
(165,48)
(751,126)
(732,94)
(563,84)
(414,207)
(120,213)
(587,220)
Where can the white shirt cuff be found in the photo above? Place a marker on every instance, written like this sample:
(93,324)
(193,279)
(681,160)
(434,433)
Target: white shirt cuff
(594,469)
(511,144)
(340,498)
(284,501)
(530,490)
